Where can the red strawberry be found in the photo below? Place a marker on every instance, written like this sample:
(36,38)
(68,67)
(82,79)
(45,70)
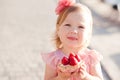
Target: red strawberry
(65,61)
(71,54)
(72,60)
(77,57)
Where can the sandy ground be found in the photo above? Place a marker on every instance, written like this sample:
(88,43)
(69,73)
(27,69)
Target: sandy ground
(26,27)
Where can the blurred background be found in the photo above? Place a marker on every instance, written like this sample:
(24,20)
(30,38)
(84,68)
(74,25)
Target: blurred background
(26,31)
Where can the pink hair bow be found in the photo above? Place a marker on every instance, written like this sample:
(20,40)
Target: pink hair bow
(62,4)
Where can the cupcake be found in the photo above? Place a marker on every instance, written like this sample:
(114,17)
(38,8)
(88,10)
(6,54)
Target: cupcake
(70,64)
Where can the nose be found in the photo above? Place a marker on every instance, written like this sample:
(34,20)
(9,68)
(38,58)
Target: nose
(74,31)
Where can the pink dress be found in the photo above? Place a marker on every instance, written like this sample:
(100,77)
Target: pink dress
(90,57)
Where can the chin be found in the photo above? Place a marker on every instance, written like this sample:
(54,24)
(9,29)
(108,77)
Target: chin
(73,46)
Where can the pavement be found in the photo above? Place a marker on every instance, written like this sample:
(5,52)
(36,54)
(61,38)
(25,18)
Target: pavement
(26,27)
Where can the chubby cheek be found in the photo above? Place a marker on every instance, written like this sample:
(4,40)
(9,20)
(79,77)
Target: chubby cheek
(62,35)
(82,37)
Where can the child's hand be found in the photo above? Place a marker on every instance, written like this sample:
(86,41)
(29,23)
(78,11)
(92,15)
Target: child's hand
(63,75)
(81,72)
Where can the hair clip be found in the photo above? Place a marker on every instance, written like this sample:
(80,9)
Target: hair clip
(62,4)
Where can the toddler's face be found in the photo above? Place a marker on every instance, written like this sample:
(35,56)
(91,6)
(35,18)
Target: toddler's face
(73,32)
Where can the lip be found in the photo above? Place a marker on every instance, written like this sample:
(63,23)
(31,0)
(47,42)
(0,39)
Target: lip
(72,38)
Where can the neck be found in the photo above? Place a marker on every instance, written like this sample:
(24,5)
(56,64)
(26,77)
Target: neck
(68,50)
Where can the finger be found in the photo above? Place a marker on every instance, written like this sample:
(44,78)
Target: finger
(58,70)
(83,64)
(82,71)
(83,67)
(75,74)
(83,74)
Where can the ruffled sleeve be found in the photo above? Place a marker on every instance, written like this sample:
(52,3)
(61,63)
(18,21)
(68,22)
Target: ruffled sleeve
(94,57)
(50,59)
